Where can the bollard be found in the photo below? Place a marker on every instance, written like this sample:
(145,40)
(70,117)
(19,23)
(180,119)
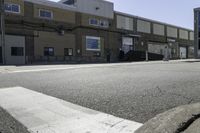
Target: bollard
(147,56)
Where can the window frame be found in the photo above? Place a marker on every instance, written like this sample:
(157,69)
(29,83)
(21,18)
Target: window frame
(11,11)
(93,37)
(45,11)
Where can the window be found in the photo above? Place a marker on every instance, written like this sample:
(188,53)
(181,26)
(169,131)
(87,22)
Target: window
(14,8)
(48,51)
(68,52)
(94,22)
(199,45)
(124,22)
(99,23)
(104,23)
(45,14)
(70,2)
(17,51)
(93,43)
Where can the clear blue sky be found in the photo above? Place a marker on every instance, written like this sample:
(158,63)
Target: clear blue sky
(176,12)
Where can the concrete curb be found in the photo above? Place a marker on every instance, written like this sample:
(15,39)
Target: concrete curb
(183,119)
(41,113)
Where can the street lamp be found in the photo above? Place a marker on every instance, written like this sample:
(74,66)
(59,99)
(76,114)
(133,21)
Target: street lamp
(3,31)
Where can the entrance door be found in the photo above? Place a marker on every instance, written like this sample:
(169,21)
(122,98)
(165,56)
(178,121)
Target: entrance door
(127,44)
(183,53)
(1,60)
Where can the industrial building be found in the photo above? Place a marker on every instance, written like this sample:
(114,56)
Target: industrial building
(41,31)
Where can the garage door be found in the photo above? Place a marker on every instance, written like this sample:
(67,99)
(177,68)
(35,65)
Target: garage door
(15,49)
(183,53)
(156,48)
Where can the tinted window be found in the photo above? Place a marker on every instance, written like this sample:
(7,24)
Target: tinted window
(199,44)
(94,22)
(17,51)
(70,2)
(12,8)
(46,14)
(68,52)
(48,51)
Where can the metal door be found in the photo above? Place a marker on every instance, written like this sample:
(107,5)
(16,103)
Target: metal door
(183,53)
(1,56)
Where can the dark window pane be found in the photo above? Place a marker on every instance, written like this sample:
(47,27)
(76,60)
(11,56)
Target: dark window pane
(17,51)
(199,44)
(1,61)
(15,8)
(94,21)
(45,14)
(68,52)
(8,7)
(48,51)
(70,2)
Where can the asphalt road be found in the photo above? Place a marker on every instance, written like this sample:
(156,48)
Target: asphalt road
(133,91)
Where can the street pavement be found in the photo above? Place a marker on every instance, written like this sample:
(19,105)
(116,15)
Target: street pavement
(133,91)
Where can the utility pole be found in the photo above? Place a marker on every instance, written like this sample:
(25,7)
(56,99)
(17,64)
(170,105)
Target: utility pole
(3,31)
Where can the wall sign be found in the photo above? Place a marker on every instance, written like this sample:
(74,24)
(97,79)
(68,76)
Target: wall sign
(93,43)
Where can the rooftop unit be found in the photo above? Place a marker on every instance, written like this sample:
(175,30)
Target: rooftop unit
(94,7)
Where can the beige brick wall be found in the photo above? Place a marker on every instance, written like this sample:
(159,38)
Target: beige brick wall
(58,14)
(91,53)
(53,39)
(19,2)
(86,17)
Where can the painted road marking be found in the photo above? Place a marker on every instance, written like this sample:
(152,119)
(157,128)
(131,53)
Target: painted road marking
(41,113)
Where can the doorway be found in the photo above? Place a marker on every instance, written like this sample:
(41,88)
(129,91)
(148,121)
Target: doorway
(127,44)
(183,52)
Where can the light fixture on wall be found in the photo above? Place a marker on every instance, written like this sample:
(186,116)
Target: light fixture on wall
(78,51)
(142,43)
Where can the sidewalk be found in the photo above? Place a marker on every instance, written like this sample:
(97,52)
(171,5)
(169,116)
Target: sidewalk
(37,68)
